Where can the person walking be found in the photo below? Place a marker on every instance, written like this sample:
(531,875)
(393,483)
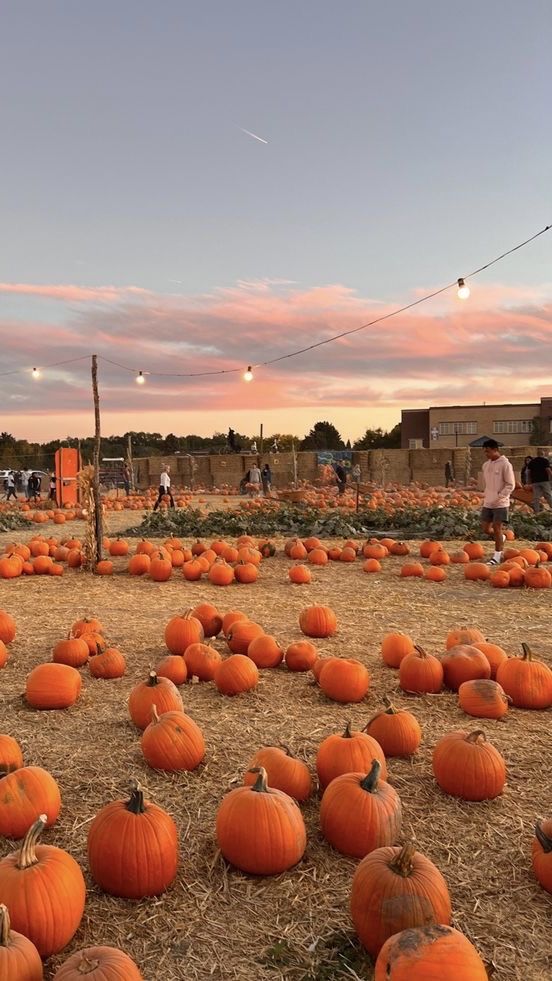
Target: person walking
(266,478)
(341,475)
(499,482)
(255,480)
(10,486)
(164,487)
(540,474)
(53,482)
(525,475)
(449,473)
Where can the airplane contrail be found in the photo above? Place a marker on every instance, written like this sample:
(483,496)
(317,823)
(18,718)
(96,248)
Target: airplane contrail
(254,135)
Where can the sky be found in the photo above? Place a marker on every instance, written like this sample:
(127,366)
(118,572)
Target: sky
(407,145)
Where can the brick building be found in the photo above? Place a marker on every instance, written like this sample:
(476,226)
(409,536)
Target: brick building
(459,425)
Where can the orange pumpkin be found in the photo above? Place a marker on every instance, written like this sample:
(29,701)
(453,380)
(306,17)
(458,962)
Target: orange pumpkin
(260,830)
(160,692)
(240,635)
(43,888)
(360,812)
(209,618)
(109,663)
(173,666)
(181,631)
(318,621)
(396,730)
(394,647)
(483,698)
(464,663)
(421,673)
(24,793)
(133,847)
(7,627)
(265,651)
(352,752)
(344,679)
(301,656)
(495,655)
(528,682)
(434,951)
(98,964)
(542,854)
(394,889)
(467,766)
(172,741)
(299,574)
(19,958)
(52,686)
(202,661)
(73,651)
(11,757)
(236,674)
(284,772)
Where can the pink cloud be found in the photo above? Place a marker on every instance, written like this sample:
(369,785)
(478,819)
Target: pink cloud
(444,352)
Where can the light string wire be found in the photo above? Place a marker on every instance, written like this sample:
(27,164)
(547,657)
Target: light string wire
(299,351)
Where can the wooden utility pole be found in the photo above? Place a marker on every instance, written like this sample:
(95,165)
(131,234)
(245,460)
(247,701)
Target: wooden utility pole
(98,529)
(129,460)
(261,439)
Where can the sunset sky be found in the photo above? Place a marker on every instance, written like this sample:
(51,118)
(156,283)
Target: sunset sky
(407,144)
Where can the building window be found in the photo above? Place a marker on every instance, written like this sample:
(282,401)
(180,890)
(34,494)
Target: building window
(415,444)
(462,428)
(513,426)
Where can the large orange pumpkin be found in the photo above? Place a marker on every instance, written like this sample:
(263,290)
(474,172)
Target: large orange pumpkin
(318,621)
(464,663)
(133,847)
(172,741)
(73,651)
(209,618)
(541,854)
(160,692)
(301,656)
(52,686)
(260,830)
(344,679)
(483,698)
(421,673)
(394,889)
(394,647)
(202,661)
(98,964)
(11,757)
(528,682)
(467,766)
(24,793)
(396,730)
(237,674)
(182,631)
(109,663)
(43,888)
(284,772)
(19,958)
(7,627)
(352,752)
(429,952)
(360,812)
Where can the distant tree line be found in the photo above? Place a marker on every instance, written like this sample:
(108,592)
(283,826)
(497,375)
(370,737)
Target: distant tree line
(22,454)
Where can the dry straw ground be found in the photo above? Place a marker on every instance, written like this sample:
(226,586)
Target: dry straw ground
(216,922)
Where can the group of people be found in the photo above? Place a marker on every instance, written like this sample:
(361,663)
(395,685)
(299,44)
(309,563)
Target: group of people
(31,485)
(255,478)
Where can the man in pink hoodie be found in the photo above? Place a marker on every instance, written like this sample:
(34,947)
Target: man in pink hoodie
(499,482)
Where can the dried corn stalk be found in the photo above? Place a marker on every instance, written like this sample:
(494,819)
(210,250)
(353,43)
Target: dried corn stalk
(91,546)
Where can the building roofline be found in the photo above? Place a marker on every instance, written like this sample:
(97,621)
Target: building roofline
(479,405)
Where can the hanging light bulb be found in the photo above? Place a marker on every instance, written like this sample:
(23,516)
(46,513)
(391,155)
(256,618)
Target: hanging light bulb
(248,375)
(140,380)
(463,291)
(35,373)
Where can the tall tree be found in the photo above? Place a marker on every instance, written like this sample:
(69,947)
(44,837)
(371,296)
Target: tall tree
(323,436)
(378,439)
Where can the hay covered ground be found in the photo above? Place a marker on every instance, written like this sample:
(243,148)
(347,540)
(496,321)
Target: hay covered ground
(216,922)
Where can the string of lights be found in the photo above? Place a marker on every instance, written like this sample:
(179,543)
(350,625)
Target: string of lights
(462,289)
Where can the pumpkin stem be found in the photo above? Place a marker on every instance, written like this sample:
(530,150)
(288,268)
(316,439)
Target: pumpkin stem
(527,653)
(27,854)
(4,926)
(260,784)
(154,714)
(152,679)
(136,803)
(370,781)
(420,650)
(474,736)
(86,966)
(402,863)
(544,841)
(348,733)
(389,707)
